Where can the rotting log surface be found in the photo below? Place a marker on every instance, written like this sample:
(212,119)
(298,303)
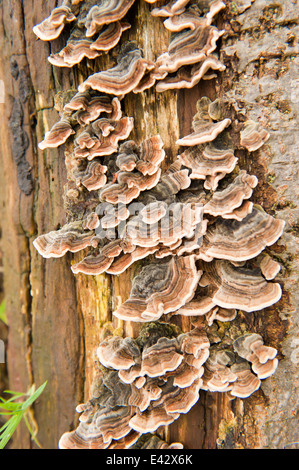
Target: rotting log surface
(55,317)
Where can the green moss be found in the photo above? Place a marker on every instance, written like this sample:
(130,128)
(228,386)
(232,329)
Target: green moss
(151,332)
(271,177)
(228,434)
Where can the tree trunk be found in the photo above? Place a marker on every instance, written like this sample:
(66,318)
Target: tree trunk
(55,317)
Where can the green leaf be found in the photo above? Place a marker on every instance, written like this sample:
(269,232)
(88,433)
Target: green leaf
(10,429)
(17,411)
(3,316)
(34,396)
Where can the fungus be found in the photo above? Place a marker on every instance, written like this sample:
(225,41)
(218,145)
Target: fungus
(151,419)
(69,238)
(220,314)
(86,108)
(196,307)
(238,287)
(147,382)
(58,134)
(194,342)
(108,11)
(118,353)
(149,79)
(189,46)
(253,136)
(140,171)
(128,187)
(92,265)
(269,267)
(102,137)
(109,36)
(170,381)
(174,7)
(154,442)
(94,176)
(231,198)
(218,375)
(189,19)
(205,130)
(211,164)
(97,264)
(160,289)
(246,382)
(114,215)
(263,358)
(240,212)
(240,241)
(51,27)
(179,221)
(160,358)
(122,78)
(189,76)
(225,371)
(91,222)
(79,46)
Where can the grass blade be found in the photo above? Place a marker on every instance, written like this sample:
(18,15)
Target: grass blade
(3,316)
(10,429)
(17,411)
(34,396)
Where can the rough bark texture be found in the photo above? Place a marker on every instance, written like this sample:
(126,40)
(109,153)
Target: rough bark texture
(55,317)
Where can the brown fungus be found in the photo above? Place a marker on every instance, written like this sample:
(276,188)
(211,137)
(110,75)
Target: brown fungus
(108,11)
(189,47)
(102,137)
(226,201)
(160,289)
(205,129)
(189,76)
(241,240)
(149,381)
(58,134)
(51,27)
(263,358)
(94,176)
(78,46)
(122,78)
(211,163)
(238,287)
(269,267)
(70,237)
(173,7)
(253,135)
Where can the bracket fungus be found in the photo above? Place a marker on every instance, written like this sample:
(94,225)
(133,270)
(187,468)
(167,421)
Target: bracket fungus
(78,46)
(238,287)
(70,237)
(122,78)
(253,135)
(107,12)
(51,27)
(205,129)
(160,288)
(194,221)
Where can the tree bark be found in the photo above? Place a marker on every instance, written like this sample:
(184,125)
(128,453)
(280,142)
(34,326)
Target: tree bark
(55,317)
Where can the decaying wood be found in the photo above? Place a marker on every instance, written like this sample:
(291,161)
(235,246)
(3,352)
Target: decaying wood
(55,317)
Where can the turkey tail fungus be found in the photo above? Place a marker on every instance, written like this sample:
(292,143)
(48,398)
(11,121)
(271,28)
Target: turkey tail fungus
(200,238)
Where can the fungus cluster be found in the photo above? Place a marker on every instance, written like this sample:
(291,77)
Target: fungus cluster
(200,236)
(147,383)
(95,28)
